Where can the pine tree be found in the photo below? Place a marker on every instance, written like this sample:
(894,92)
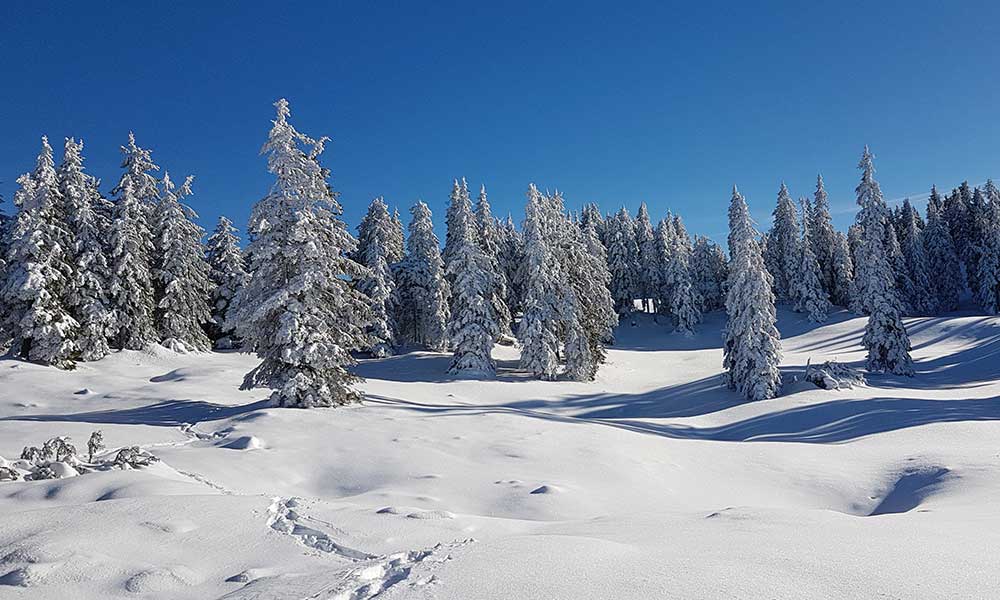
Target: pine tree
(375,239)
(299,311)
(956,215)
(488,235)
(709,271)
(843,271)
(807,292)
(897,264)
(665,248)
(648,270)
(473,327)
(752,344)
(919,293)
(588,274)
(424,290)
(89,229)
(459,204)
(885,335)
(988,291)
(622,251)
(131,285)
(823,237)
(181,281)
(942,260)
(782,250)
(544,290)
(512,263)
(590,217)
(227,271)
(39,270)
(685,305)
(397,247)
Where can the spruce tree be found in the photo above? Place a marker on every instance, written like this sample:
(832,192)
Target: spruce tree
(823,237)
(956,215)
(898,266)
(988,290)
(423,288)
(131,284)
(752,344)
(843,271)
(227,271)
(488,235)
(375,240)
(512,263)
(473,327)
(648,268)
(665,248)
(397,247)
(299,311)
(40,271)
(181,276)
(538,333)
(685,305)
(942,260)
(782,250)
(622,253)
(807,291)
(919,293)
(709,270)
(89,231)
(885,335)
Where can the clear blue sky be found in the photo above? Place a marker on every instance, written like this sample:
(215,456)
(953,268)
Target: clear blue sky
(665,103)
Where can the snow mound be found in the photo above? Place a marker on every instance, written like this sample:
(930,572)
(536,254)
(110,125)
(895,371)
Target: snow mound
(546,489)
(155,581)
(431,514)
(244,442)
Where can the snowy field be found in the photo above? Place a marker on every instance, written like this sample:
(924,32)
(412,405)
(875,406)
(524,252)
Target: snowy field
(652,482)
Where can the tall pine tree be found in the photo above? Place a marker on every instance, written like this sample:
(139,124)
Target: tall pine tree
(424,291)
(299,311)
(227,271)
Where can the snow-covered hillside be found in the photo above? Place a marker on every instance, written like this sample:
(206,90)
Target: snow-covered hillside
(651,482)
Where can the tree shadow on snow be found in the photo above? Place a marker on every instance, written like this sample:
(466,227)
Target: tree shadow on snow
(168,413)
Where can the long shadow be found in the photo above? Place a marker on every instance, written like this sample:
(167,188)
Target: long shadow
(828,422)
(169,413)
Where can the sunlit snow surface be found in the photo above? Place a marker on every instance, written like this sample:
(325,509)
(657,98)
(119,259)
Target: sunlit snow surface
(652,482)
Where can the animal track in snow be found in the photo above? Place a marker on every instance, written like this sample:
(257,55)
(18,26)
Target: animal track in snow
(283,517)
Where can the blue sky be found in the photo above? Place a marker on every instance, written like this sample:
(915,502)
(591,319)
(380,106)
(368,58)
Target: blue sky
(665,103)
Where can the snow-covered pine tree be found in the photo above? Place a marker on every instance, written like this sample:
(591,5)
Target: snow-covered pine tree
(782,251)
(89,231)
(299,311)
(488,234)
(39,270)
(586,269)
(920,295)
(130,287)
(976,229)
(512,263)
(397,247)
(473,328)
(897,263)
(544,296)
(885,335)
(590,216)
(181,281)
(709,270)
(823,236)
(685,305)
(956,215)
(843,271)
(665,248)
(988,292)
(375,239)
(423,288)
(752,344)
(648,267)
(228,274)
(622,253)
(942,259)
(806,290)
(459,203)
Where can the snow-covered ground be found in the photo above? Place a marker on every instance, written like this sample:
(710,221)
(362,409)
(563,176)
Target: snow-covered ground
(652,482)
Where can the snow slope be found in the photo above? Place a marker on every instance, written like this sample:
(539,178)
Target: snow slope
(652,482)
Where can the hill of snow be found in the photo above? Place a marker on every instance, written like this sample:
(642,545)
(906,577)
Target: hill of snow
(652,482)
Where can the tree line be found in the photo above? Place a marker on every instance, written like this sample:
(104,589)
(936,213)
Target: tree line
(82,274)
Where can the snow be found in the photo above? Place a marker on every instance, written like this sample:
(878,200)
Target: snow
(654,481)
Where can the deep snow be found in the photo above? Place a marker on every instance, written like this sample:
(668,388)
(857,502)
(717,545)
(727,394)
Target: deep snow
(652,482)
